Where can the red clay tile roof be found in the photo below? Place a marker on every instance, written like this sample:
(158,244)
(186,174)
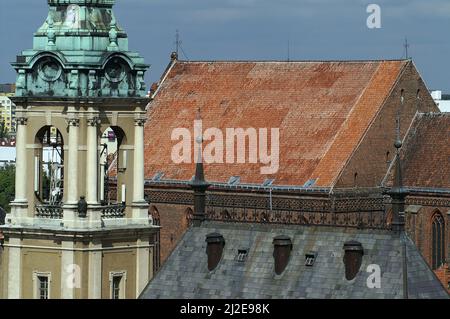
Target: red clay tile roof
(322,109)
(426,152)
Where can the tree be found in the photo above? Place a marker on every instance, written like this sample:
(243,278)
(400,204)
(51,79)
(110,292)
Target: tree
(3,131)
(7,185)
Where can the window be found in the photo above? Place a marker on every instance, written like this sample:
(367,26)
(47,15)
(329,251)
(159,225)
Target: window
(117,284)
(116,287)
(438,241)
(41,285)
(310,258)
(241,255)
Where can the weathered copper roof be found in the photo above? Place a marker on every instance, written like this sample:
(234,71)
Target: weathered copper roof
(322,109)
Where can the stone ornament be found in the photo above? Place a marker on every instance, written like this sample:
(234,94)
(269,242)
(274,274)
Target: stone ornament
(74,122)
(93,121)
(49,70)
(21,120)
(82,207)
(115,71)
(140,122)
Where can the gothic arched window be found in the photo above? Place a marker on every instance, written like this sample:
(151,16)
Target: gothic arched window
(438,241)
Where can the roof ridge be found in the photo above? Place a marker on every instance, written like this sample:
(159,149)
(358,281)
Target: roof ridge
(295,61)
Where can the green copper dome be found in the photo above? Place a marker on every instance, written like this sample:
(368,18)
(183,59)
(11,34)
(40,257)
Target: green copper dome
(80,51)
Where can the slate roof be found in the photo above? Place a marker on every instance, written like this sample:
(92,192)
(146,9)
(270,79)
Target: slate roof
(185,274)
(426,152)
(323,110)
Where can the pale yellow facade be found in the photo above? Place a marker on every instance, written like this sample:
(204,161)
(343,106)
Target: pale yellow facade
(7,111)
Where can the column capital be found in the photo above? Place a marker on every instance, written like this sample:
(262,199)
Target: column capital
(21,120)
(73,122)
(140,121)
(93,121)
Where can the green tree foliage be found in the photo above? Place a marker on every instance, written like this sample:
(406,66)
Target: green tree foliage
(3,130)
(7,183)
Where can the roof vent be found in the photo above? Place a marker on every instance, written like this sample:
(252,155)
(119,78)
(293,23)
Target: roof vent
(158,176)
(354,252)
(214,249)
(310,183)
(268,182)
(310,258)
(234,180)
(242,255)
(282,247)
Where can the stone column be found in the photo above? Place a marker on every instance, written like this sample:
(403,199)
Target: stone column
(92,162)
(95,271)
(138,167)
(21,160)
(14,280)
(72,172)
(142,265)
(19,207)
(71,204)
(70,277)
(139,203)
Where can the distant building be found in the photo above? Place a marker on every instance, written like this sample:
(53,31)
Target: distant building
(7,151)
(442,100)
(7,107)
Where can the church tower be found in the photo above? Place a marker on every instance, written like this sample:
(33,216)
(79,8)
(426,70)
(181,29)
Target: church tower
(67,235)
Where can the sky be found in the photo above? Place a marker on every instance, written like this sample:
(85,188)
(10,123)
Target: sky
(260,30)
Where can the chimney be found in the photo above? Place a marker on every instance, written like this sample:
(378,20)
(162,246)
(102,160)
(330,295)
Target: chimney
(282,247)
(352,258)
(214,249)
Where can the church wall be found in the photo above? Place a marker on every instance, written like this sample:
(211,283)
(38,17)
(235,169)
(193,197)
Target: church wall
(370,162)
(174,222)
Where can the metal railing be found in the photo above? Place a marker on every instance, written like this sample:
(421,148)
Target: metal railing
(49,211)
(113,211)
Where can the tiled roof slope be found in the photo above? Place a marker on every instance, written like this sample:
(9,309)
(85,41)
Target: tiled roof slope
(426,152)
(185,273)
(323,110)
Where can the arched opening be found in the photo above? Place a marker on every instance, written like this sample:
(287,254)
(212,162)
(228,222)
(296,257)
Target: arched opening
(113,162)
(438,241)
(188,215)
(49,166)
(154,214)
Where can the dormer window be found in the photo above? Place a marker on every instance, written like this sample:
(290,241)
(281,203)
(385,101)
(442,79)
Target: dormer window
(310,258)
(242,255)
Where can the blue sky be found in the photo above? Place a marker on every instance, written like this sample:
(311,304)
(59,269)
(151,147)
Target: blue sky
(261,30)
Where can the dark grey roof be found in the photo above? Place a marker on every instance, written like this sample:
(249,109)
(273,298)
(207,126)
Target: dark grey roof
(185,274)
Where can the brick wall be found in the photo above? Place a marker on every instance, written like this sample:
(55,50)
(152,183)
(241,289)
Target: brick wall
(443,274)
(174,221)
(369,163)
(419,227)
